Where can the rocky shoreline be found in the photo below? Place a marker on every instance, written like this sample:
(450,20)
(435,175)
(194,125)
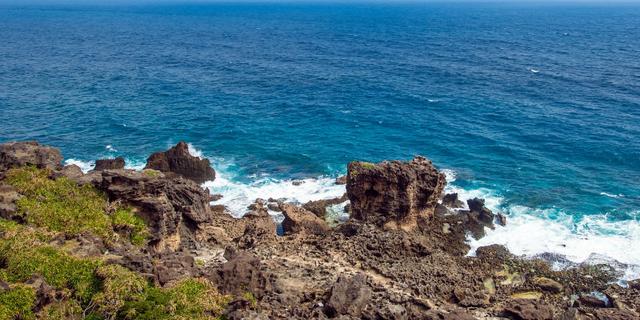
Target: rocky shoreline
(400,255)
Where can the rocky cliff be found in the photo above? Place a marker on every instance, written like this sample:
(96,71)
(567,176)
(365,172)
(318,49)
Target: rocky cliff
(126,244)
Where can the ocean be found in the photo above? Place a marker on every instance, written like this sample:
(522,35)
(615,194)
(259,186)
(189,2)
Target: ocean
(535,107)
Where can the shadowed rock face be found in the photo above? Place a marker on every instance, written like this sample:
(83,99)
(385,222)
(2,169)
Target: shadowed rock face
(172,207)
(395,193)
(178,160)
(109,164)
(30,153)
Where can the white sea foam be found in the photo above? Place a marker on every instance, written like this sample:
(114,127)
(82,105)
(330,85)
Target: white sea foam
(532,232)
(620,195)
(237,196)
(534,70)
(110,148)
(85,166)
(194,152)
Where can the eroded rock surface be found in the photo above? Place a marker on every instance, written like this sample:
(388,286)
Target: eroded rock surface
(109,164)
(394,193)
(31,153)
(178,160)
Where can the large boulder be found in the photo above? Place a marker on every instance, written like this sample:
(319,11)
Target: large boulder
(178,160)
(319,207)
(300,220)
(173,207)
(109,164)
(348,296)
(394,193)
(243,274)
(31,153)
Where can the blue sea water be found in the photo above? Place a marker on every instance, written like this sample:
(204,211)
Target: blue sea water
(535,107)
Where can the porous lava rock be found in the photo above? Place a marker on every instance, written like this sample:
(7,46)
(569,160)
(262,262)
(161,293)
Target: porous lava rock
(171,207)
(300,220)
(394,193)
(30,153)
(109,164)
(178,160)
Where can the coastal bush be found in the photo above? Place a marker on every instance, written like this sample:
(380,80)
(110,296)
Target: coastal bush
(17,302)
(125,219)
(119,286)
(187,299)
(61,204)
(59,270)
(67,309)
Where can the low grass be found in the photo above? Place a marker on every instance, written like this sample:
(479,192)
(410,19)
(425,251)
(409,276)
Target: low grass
(17,302)
(59,205)
(62,205)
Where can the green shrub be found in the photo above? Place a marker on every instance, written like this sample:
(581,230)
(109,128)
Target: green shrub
(17,303)
(134,225)
(62,205)
(67,309)
(119,285)
(59,205)
(188,299)
(59,269)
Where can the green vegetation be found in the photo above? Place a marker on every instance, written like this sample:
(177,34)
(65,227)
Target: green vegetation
(126,220)
(59,205)
(188,299)
(367,165)
(62,205)
(55,212)
(17,303)
(251,298)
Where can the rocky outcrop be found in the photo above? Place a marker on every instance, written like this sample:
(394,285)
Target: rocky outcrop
(477,218)
(259,227)
(451,200)
(31,153)
(300,220)
(8,198)
(348,296)
(178,160)
(395,193)
(243,274)
(172,207)
(319,207)
(109,164)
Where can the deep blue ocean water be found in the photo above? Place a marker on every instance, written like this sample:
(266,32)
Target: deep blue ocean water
(535,106)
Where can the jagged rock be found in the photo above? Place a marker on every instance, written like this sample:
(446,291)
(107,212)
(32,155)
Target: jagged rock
(319,207)
(242,274)
(477,218)
(300,220)
(394,194)
(341,180)
(259,228)
(31,153)
(171,207)
(451,200)
(591,301)
(529,310)
(469,298)
(348,296)
(72,171)
(45,293)
(274,206)
(547,284)
(297,182)
(109,164)
(215,197)
(178,160)
(8,198)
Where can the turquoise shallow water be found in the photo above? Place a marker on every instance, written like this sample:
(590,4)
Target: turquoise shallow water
(536,107)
